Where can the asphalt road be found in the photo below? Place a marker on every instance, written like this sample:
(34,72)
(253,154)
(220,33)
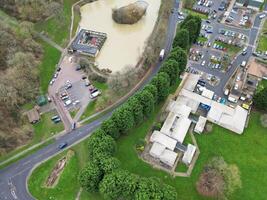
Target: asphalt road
(13,179)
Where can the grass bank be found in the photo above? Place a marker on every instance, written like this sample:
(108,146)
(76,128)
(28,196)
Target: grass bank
(48,65)
(262,43)
(58,27)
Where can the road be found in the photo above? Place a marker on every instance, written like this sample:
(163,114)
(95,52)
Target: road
(13,179)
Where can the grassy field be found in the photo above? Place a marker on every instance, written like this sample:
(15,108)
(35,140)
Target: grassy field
(48,65)
(188,11)
(46,128)
(58,27)
(231,49)
(68,186)
(262,45)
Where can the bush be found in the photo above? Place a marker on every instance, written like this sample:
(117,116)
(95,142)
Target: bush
(153,90)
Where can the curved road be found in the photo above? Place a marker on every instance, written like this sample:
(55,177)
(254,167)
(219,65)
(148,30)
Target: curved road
(13,179)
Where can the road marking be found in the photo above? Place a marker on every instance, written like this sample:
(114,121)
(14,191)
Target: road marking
(27,162)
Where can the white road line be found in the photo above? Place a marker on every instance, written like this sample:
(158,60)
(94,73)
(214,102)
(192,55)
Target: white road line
(27,162)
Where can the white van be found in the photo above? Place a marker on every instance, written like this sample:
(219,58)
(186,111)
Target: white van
(244,63)
(67,103)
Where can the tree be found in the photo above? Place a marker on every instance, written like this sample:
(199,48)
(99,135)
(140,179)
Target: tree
(101,143)
(110,128)
(123,118)
(169,192)
(148,188)
(90,177)
(180,56)
(171,67)
(192,27)
(137,109)
(153,90)
(120,184)
(162,83)
(181,39)
(109,164)
(260,99)
(147,101)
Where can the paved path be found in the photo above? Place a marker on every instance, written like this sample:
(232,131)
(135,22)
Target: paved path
(14,177)
(51,42)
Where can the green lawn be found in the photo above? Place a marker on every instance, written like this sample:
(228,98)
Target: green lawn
(58,27)
(65,189)
(48,65)
(262,45)
(188,11)
(231,49)
(46,128)
(68,185)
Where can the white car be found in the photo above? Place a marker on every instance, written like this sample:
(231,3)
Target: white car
(236,86)
(76,102)
(203,62)
(67,103)
(262,16)
(52,81)
(226,92)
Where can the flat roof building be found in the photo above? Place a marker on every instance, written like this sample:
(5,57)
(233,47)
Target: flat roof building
(168,157)
(163,139)
(88,42)
(200,125)
(189,154)
(253,4)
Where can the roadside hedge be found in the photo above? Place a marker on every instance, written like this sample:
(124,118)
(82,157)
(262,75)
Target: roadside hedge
(107,177)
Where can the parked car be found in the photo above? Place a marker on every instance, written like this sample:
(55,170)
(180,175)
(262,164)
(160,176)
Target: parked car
(262,16)
(87,82)
(203,62)
(54,117)
(67,103)
(68,85)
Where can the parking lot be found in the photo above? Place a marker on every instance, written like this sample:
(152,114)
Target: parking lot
(219,45)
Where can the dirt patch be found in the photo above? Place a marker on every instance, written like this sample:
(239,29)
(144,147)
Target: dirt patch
(54,176)
(210,183)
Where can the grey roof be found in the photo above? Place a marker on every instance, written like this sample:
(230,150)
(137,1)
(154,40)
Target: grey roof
(82,42)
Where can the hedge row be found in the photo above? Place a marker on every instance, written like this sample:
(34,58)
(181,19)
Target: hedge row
(103,174)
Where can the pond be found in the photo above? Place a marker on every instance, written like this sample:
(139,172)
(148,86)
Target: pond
(125,43)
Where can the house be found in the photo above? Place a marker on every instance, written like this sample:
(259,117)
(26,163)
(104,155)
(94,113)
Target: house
(253,4)
(33,116)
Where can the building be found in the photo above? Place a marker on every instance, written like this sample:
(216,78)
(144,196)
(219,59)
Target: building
(189,154)
(33,116)
(88,42)
(253,4)
(230,118)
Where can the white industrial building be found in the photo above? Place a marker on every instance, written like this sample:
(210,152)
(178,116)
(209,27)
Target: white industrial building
(173,132)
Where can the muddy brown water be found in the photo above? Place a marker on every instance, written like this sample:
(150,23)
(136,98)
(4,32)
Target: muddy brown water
(125,43)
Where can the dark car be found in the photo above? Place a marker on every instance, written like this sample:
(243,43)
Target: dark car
(62,145)
(78,67)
